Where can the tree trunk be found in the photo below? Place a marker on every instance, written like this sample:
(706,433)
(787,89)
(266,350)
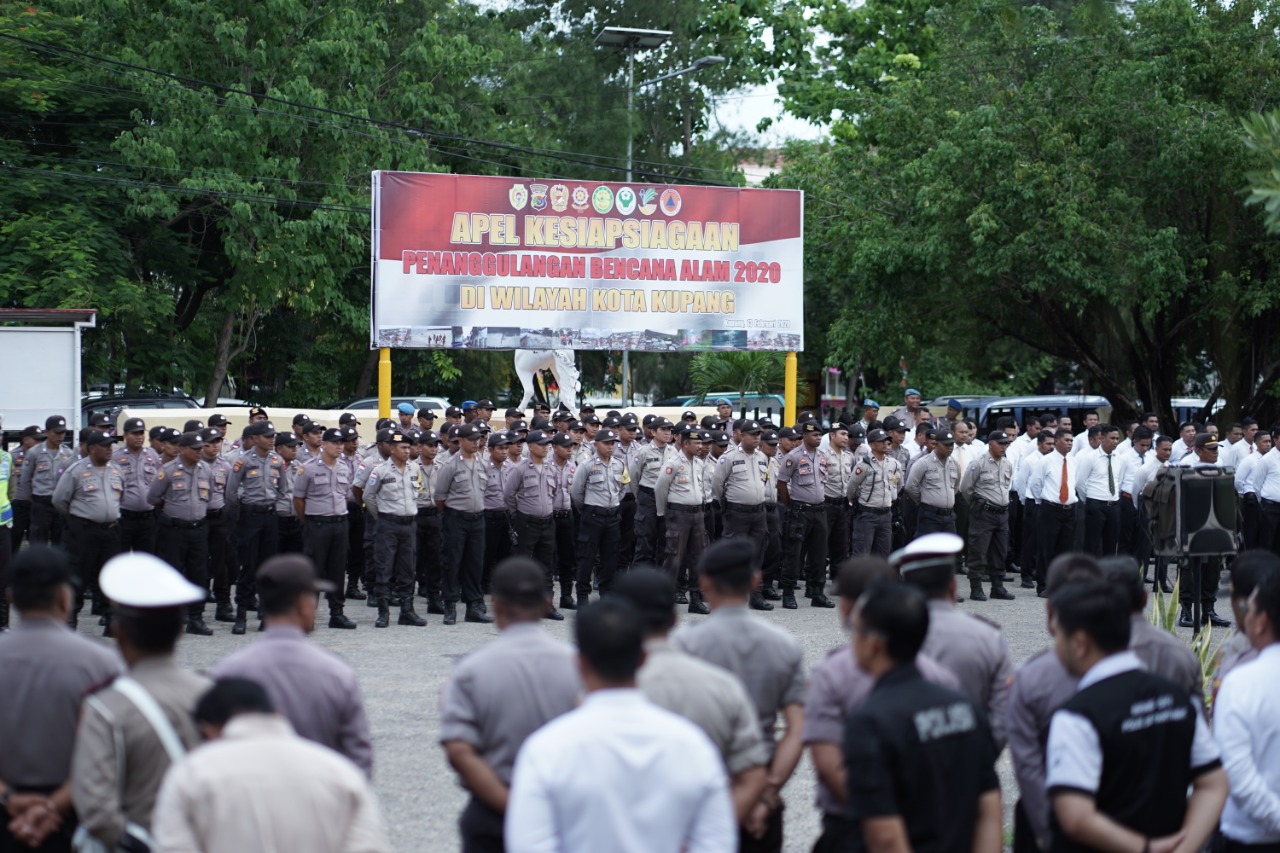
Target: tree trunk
(366,375)
(221,359)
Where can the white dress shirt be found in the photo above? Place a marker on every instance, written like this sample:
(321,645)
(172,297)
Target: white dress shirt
(1022,471)
(1244,474)
(1237,453)
(1091,475)
(1081,443)
(620,774)
(1048,479)
(1180,449)
(1266,475)
(1247,727)
(1143,476)
(1132,462)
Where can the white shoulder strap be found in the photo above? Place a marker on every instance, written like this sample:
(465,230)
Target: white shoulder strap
(154,714)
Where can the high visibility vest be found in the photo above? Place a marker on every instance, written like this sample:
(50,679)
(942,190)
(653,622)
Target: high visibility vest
(6,469)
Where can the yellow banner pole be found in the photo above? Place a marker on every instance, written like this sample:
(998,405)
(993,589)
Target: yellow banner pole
(384,382)
(789,388)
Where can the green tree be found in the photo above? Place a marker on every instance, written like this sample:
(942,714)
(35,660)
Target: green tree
(744,372)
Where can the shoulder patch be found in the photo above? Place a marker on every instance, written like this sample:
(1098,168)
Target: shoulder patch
(858,469)
(238,467)
(669,469)
(790,462)
(160,474)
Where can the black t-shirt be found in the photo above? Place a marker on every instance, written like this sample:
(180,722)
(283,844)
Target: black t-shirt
(921,752)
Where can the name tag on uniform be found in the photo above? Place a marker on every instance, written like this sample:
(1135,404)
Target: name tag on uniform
(91,485)
(254,472)
(179,485)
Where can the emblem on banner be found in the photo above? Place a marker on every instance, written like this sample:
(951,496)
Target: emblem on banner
(670,202)
(559,198)
(626,201)
(602,199)
(538,194)
(648,201)
(581,198)
(518,195)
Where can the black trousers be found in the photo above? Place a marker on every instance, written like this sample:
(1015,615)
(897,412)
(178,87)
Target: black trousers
(1269,525)
(222,554)
(396,553)
(686,540)
(289,528)
(598,535)
(650,538)
(774,553)
(872,532)
(1250,521)
(751,523)
(355,543)
(369,563)
(837,533)
(1101,527)
(837,834)
(324,540)
(463,535)
(932,519)
(566,541)
(1128,543)
(46,523)
(627,531)
(1030,543)
(1210,574)
(770,843)
(91,545)
(988,543)
(259,538)
(805,535)
(1057,535)
(429,570)
(185,546)
(21,525)
(536,538)
(138,531)
(497,543)
(481,829)
(963,517)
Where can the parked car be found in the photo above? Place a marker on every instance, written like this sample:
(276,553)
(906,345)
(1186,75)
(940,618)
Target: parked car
(112,406)
(1074,405)
(753,403)
(435,404)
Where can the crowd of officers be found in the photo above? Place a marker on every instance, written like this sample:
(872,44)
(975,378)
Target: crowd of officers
(429,509)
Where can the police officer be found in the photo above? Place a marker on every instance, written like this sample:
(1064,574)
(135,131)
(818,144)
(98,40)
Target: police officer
(985,485)
(497,525)
(288,524)
(312,433)
(380,452)
(139,465)
(530,493)
(644,471)
(41,469)
(428,522)
(459,494)
(563,469)
(89,493)
(18,492)
(873,489)
(932,483)
(597,494)
(182,491)
(839,469)
(254,486)
(678,495)
(222,551)
(396,483)
(628,449)
(774,553)
(801,487)
(742,482)
(355,512)
(320,497)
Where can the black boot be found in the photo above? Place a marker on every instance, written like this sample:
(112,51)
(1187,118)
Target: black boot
(336,617)
(407,614)
(768,593)
(819,599)
(242,618)
(223,612)
(384,614)
(4,616)
(1215,620)
(435,605)
(371,600)
(196,625)
(567,603)
(758,603)
(696,604)
(789,599)
(475,613)
(1184,618)
(108,631)
(450,614)
(681,598)
(999,593)
(975,589)
(353,591)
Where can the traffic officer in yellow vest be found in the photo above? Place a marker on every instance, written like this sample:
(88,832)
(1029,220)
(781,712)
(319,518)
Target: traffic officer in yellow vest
(597,491)
(985,485)
(396,484)
(181,491)
(741,482)
(678,494)
(801,486)
(873,488)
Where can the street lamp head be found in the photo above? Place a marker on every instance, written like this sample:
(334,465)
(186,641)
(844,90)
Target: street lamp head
(708,61)
(632,38)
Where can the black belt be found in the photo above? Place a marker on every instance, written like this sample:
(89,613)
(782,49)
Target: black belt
(501,512)
(685,508)
(395,519)
(835,501)
(104,525)
(137,513)
(214,513)
(1100,501)
(563,513)
(469,516)
(185,525)
(628,497)
(937,510)
(263,508)
(732,507)
(428,510)
(1266,502)
(648,490)
(541,519)
(876,510)
(607,511)
(47,500)
(1064,507)
(808,507)
(327,519)
(990,507)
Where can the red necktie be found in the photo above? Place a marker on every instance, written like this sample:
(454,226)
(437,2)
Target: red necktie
(1063,494)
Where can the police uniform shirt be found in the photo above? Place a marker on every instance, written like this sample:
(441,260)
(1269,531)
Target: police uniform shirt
(363,472)
(922,752)
(933,481)
(184,491)
(255,480)
(839,469)
(975,651)
(874,483)
(1040,686)
(562,476)
(902,455)
(91,492)
(648,464)
(771,479)
(493,495)
(221,475)
(742,478)
(42,468)
(139,470)
(599,483)
(584,452)
(1093,480)
(427,474)
(530,488)
(461,483)
(988,480)
(626,454)
(322,489)
(21,489)
(805,473)
(396,488)
(681,482)
(284,502)
(1134,742)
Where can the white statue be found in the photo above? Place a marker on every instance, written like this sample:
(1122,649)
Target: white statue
(561,364)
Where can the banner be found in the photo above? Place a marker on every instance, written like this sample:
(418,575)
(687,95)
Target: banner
(515,263)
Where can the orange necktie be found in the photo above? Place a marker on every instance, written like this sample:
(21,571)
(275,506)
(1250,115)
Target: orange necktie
(1063,494)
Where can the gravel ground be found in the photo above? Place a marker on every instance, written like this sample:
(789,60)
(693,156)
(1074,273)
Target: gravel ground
(402,671)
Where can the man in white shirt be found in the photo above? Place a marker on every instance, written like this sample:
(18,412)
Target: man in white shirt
(1266,483)
(1245,446)
(1135,455)
(1082,439)
(619,773)
(1054,485)
(299,796)
(1028,547)
(1250,511)
(1185,445)
(1247,727)
(1098,476)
